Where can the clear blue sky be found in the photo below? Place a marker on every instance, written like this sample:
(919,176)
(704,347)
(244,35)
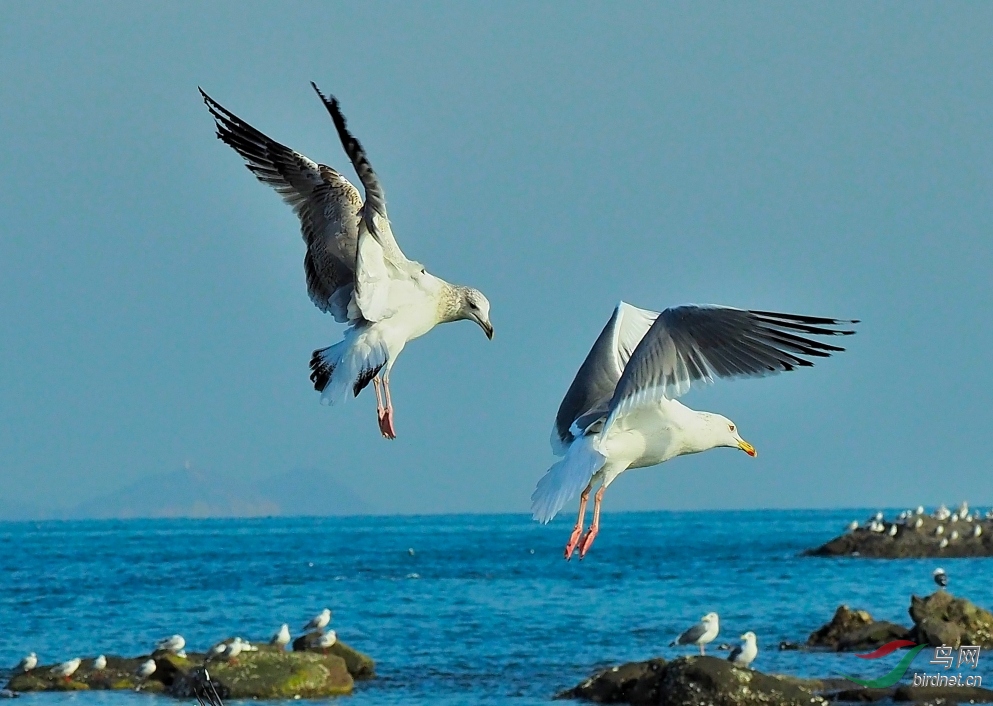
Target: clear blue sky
(815,158)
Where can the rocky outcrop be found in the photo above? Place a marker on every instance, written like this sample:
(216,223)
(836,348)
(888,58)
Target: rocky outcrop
(855,630)
(271,674)
(119,674)
(360,666)
(935,695)
(943,619)
(913,542)
(691,681)
(268,673)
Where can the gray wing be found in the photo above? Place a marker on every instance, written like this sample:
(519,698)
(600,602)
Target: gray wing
(692,635)
(374,210)
(688,344)
(325,202)
(591,390)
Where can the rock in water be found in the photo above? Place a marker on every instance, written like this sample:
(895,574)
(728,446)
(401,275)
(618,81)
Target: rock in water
(272,674)
(691,681)
(943,619)
(910,541)
(855,630)
(360,666)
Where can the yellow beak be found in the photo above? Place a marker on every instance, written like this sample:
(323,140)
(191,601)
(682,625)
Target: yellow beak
(747,448)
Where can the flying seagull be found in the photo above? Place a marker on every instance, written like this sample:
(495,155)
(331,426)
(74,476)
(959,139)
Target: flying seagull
(744,654)
(701,634)
(940,577)
(354,266)
(621,410)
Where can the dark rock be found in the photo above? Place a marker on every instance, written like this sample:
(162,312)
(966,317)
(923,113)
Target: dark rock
(271,674)
(942,619)
(910,542)
(691,681)
(943,694)
(855,630)
(119,674)
(360,666)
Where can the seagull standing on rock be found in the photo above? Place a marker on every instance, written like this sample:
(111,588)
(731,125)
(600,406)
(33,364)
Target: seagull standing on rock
(327,640)
(744,654)
(622,411)
(319,621)
(355,269)
(144,671)
(28,662)
(66,669)
(282,637)
(99,663)
(171,644)
(701,634)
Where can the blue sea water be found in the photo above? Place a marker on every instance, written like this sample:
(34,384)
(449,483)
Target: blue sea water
(485,611)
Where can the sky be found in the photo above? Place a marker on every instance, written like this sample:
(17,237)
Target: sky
(816,158)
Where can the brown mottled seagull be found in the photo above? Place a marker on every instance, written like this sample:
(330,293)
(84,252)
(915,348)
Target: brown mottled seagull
(355,269)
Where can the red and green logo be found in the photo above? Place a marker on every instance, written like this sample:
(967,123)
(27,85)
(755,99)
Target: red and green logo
(898,671)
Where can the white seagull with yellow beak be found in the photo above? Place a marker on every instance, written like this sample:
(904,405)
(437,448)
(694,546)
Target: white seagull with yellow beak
(621,410)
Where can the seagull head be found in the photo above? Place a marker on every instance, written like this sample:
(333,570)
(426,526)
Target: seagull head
(721,431)
(748,636)
(709,618)
(474,306)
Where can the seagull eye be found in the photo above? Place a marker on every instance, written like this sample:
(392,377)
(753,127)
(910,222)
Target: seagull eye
(731,427)
(473,306)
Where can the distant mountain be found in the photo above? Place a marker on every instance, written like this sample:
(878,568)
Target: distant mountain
(190,492)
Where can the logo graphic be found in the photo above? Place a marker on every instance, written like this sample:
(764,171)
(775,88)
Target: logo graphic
(898,671)
(967,654)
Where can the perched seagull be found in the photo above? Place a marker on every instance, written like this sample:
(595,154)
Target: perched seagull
(28,662)
(943,543)
(853,525)
(940,529)
(744,654)
(953,536)
(920,509)
(234,648)
(171,644)
(918,523)
(66,669)
(977,531)
(879,517)
(700,634)
(355,269)
(892,531)
(282,636)
(327,639)
(99,663)
(144,671)
(621,410)
(217,650)
(319,621)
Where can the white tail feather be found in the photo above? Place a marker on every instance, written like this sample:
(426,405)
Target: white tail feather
(348,364)
(565,478)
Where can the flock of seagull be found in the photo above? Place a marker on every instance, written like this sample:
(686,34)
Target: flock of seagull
(913,520)
(316,632)
(621,410)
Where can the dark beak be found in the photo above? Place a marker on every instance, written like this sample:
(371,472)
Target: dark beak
(488,329)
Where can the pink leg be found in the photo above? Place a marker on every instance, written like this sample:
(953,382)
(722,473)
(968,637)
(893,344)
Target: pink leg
(702,651)
(595,527)
(380,409)
(387,426)
(577,531)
